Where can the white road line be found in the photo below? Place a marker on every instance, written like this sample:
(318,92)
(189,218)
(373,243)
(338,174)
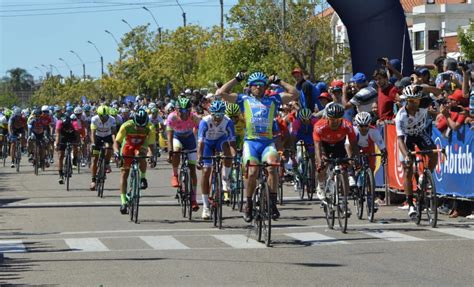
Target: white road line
(459,232)
(239,241)
(163,242)
(86,244)
(12,246)
(315,238)
(391,235)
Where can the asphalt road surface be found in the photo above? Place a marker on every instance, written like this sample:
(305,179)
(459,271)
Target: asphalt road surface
(49,236)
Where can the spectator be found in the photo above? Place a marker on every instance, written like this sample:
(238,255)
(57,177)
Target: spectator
(450,79)
(325,99)
(452,115)
(364,97)
(310,94)
(387,95)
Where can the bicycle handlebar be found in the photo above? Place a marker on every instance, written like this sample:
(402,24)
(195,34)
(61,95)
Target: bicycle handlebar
(428,151)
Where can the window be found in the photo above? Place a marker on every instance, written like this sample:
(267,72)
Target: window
(433,37)
(420,40)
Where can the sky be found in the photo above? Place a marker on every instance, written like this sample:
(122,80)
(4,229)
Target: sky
(36,33)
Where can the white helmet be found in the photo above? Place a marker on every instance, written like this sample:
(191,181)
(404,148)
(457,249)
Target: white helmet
(151,105)
(362,119)
(45,108)
(188,91)
(409,92)
(169,106)
(78,110)
(17,111)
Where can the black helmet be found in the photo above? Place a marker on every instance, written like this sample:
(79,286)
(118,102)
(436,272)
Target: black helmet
(140,118)
(334,110)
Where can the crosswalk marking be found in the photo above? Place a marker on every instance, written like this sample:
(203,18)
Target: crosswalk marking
(391,235)
(459,232)
(239,241)
(315,238)
(12,246)
(164,242)
(86,244)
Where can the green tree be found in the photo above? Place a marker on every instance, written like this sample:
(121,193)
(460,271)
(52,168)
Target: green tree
(19,79)
(466,40)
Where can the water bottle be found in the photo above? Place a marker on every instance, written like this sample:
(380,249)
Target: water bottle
(471,104)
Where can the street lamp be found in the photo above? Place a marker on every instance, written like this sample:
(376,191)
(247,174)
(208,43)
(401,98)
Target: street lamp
(101,58)
(184,13)
(41,71)
(70,71)
(116,42)
(46,67)
(83,65)
(53,66)
(153,16)
(123,20)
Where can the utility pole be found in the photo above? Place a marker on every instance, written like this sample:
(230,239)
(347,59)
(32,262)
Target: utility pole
(222,19)
(184,13)
(283,17)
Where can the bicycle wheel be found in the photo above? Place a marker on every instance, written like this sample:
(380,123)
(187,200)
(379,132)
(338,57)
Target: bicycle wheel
(219,201)
(67,169)
(311,180)
(36,159)
(234,192)
(189,195)
(241,190)
(257,214)
(182,193)
(18,156)
(136,196)
(419,205)
(79,160)
(213,197)
(131,190)
(431,198)
(370,194)
(328,203)
(100,179)
(342,204)
(359,194)
(300,181)
(266,213)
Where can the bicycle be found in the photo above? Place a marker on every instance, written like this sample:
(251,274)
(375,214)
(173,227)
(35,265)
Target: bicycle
(101,175)
(216,198)
(337,188)
(262,209)
(185,187)
(426,197)
(18,153)
(365,191)
(306,171)
(237,183)
(4,149)
(283,175)
(38,162)
(133,194)
(67,168)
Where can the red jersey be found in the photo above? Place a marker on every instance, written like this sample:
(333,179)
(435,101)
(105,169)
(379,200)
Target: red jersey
(323,133)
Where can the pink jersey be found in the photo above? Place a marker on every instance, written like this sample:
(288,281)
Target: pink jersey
(182,128)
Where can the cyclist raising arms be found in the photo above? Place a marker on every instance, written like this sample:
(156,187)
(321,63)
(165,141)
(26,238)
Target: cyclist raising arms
(216,133)
(329,136)
(180,126)
(259,111)
(411,123)
(135,136)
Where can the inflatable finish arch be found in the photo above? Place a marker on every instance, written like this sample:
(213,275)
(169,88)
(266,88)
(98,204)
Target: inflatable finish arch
(376,28)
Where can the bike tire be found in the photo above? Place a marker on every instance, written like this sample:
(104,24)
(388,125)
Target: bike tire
(241,190)
(18,157)
(257,218)
(329,203)
(311,180)
(214,213)
(342,203)
(220,202)
(419,205)
(360,194)
(370,194)
(431,199)
(266,214)
(100,179)
(67,162)
(36,158)
(182,192)
(136,197)
(190,197)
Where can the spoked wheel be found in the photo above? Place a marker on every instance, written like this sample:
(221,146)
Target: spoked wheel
(257,220)
(241,191)
(359,194)
(101,179)
(431,199)
(214,200)
(189,195)
(311,181)
(370,194)
(182,194)
(265,208)
(131,202)
(67,168)
(219,202)
(18,157)
(136,199)
(329,203)
(419,206)
(36,158)
(300,181)
(342,203)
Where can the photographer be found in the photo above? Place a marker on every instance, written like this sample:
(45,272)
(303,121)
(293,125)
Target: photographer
(452,114)
(450,79)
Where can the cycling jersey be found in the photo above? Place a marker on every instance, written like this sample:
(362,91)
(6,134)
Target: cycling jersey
(323,133)
(17,122)
(67,133)
(259,115)
(209,131)
(102,129)
(408,125)
(36,126)
(182,128)
(303,131)
(368,140)
(155,120)
(130,135)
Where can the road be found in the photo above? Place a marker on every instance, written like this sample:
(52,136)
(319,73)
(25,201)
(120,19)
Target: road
(49,236)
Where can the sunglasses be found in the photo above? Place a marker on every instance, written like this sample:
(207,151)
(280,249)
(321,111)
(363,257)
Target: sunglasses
(413,100)
(258,84)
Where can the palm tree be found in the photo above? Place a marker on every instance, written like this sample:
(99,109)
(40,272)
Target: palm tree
(19,79)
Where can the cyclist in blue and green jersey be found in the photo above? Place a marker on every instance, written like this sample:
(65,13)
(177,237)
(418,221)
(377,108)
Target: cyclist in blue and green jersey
(259,111)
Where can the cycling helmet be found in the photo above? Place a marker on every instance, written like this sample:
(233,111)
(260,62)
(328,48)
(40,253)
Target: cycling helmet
(124,110)
(37,112)
(257,77)
(140,118)
(217,107)
(151,105)
(159,104)
(154,111)
(78,110)
(113,112)
(26,112)
(87,108)
(232,110)
(17,111)
(102,111)
(73,117)
(8,113)
(184,103)
(45,108)
(409,93)
(304,114)
(69,109)
(334,110)
(169,107)
(362,119)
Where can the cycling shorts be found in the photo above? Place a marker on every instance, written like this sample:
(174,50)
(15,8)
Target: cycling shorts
(186,144)
(129,150)
(16,133)
(100,142)
(258,151)
(210,147)
(69,138)
(423,141)
(337,150)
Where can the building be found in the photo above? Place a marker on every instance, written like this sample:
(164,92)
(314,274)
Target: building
(432,25)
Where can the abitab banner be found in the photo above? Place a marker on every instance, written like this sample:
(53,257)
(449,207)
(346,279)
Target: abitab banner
(453,175)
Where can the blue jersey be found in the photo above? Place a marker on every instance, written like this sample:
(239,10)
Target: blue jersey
(259,115)
(209,131)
